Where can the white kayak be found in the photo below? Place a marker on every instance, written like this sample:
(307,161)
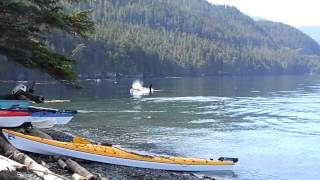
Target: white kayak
(112,155)
(41,124)
(10,118)
(38,116)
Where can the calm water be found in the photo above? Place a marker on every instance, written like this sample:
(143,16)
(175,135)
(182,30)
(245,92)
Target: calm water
(272,124)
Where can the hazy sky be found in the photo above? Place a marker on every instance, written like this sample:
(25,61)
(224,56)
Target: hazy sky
(293,12)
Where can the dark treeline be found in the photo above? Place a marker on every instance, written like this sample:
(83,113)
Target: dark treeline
(155,38)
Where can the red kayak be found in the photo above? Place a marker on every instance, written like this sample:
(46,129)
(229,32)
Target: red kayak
(9,118)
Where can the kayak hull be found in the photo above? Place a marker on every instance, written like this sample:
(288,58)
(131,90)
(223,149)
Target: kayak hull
(36,146)
(13,118)
(56,117)
(13,121)
(43,117)
(41,124)
(48,122)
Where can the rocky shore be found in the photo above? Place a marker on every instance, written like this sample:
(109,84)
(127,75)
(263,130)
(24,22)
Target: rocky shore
(101,171)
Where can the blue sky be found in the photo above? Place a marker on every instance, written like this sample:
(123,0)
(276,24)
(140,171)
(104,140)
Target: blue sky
(295,12)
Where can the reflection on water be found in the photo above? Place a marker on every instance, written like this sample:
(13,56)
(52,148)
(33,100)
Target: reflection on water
(271,124)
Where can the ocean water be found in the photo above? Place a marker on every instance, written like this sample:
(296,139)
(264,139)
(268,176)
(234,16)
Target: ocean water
(271,123)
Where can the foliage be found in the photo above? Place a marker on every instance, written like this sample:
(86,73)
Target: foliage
(24,26)
(184,38)
(188,37)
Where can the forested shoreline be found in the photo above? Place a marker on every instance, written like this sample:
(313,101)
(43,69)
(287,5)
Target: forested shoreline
(159,38)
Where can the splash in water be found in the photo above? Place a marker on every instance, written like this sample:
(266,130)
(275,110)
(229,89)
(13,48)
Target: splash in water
(137,89)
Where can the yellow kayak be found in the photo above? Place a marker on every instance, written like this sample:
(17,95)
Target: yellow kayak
(83,149)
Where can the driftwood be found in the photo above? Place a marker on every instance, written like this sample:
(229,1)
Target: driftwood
(76,176)
(76,168)
(7,164)
(10,175)
(32,165)
(62,164)
(38,133)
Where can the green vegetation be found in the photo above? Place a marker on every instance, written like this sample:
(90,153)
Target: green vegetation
(182,38)
(24,26)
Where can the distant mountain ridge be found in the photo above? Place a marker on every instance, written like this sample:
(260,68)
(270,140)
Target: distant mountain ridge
(258,18)
(290,37)
(157,38)
(312,31)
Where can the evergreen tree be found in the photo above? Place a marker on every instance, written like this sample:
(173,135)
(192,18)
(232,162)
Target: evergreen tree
(25,25)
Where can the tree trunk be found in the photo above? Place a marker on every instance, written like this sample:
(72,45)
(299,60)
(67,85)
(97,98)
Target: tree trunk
(62,164)
(10,175)
(76,176)
(7,164)
(38,133)
(76,168)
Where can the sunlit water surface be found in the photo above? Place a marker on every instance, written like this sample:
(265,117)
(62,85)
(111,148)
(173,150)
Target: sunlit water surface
(272,124)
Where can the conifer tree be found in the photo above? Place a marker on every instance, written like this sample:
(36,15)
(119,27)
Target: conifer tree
(24,28)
